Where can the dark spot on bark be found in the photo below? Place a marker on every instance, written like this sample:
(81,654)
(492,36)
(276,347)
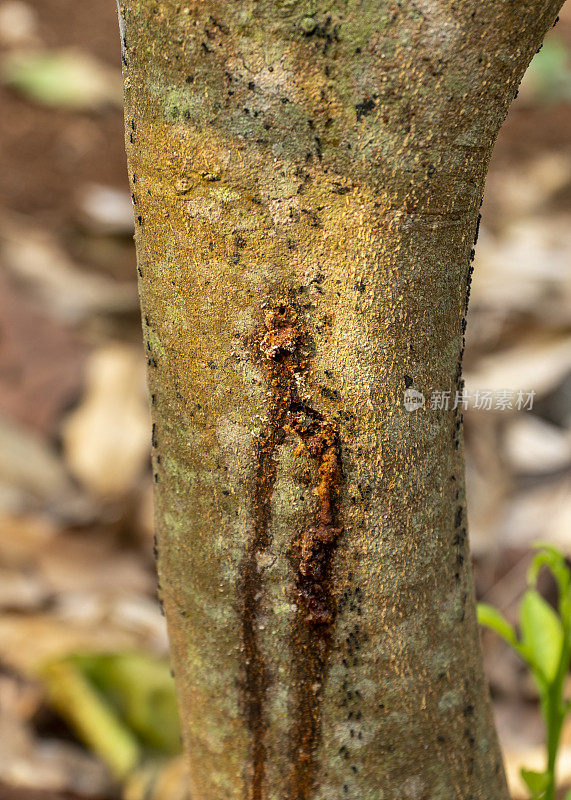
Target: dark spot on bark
(477,229)
(318,147)
(220,25)
(313,219)
(364,108)
(331,394)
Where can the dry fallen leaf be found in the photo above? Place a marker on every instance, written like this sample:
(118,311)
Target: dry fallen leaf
(488,483)
(168,781)
(534,446)
(536,365)
(106,209)
(31,468)
(20,591)
(26,760)
(18,24)
(40,362)
(527,188)
(33,256)
(85,564)
(23,537)
(542,512)
(28,640)
(525,269)
(106,440)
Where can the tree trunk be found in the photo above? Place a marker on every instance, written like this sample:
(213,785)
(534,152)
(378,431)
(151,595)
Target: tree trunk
(307,178)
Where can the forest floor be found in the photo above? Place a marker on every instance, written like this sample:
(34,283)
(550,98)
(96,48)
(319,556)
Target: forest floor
(76,565)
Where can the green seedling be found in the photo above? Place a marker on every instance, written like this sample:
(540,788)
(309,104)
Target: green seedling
(545,646)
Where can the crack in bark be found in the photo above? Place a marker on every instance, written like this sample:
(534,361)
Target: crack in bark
(277,347)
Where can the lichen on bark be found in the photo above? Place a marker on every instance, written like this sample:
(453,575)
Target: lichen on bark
(306,180)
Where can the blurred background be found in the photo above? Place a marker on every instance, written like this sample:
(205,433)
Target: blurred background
(81,634)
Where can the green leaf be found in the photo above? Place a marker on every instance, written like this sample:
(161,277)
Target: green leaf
(96,723)
(141,691)
(552,558)
(61,78)
(542,633)
(491,618)
(567,795)
(536,782)
(122,705)
(548,76)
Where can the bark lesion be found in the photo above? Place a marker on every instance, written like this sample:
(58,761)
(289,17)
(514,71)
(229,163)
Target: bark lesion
(313,548)
(280,347)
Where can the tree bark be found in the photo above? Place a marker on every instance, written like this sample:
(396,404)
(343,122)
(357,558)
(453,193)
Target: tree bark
(307,178)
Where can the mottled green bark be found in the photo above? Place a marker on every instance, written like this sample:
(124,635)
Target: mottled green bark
(307,178)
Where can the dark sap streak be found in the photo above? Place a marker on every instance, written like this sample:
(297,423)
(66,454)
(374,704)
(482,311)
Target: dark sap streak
(277,348)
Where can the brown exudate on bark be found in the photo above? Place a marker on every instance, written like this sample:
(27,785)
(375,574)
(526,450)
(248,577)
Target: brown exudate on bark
(307,179)
(279,348)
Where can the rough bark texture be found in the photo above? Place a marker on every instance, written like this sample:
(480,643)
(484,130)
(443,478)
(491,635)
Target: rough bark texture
(307,178)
